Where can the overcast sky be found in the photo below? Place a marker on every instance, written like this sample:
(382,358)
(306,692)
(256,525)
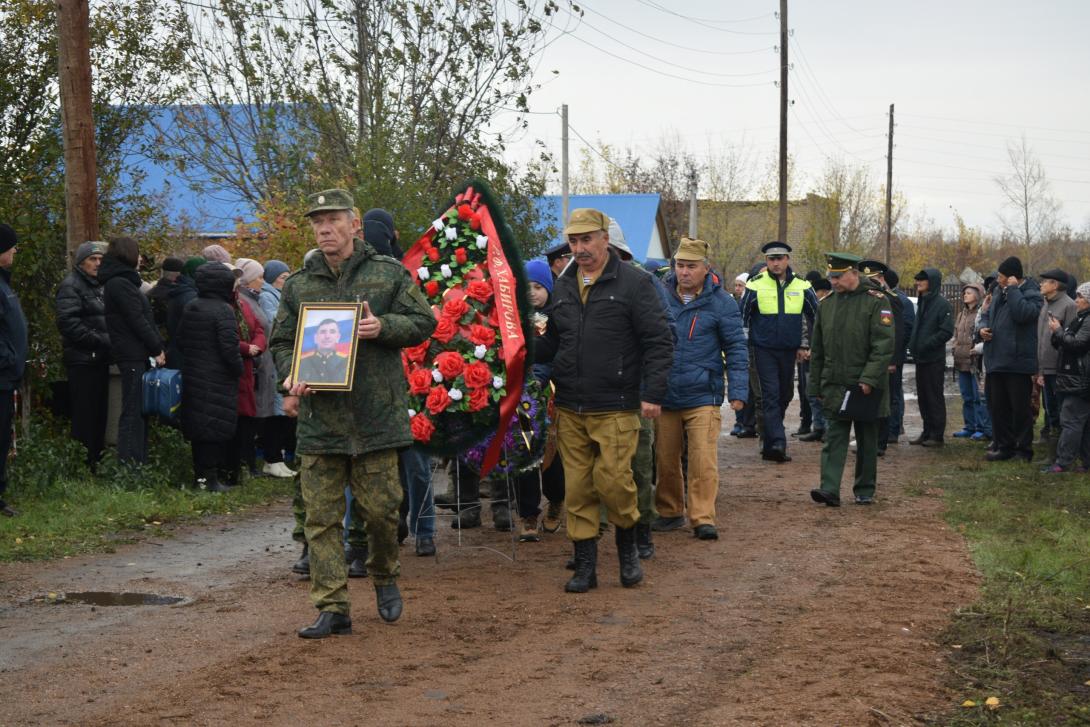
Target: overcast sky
(966,77)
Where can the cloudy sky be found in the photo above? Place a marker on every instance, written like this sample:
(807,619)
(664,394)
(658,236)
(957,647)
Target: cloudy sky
(966,76)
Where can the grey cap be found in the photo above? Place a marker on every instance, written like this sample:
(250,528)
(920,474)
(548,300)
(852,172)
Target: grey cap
(89,248)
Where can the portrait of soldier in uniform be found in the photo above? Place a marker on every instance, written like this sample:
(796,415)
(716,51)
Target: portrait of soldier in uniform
(325,351)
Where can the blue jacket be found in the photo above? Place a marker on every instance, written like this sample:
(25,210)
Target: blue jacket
(1013,320)
(776,321)
(708,328)
(13,335)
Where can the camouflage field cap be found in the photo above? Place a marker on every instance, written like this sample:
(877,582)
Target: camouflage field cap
(840,262)
(585,220)
(329,200)
(689,249)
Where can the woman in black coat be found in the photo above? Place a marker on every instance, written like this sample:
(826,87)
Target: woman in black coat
(134,338)
(211,366)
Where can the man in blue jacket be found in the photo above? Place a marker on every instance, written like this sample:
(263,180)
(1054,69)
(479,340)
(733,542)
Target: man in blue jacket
(13,350)
(709,328)
(772,309)
(1009,330)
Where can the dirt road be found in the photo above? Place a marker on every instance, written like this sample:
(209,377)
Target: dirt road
(799,614)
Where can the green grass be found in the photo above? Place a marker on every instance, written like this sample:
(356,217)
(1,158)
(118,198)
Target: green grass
(1027,640)
(65,510)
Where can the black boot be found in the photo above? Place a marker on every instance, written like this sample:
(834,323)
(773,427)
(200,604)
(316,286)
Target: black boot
(644,546)
(356,558)
(229,475)
(501,517)
(207,479)
(631,573)
(467,518)
(388,599)
(328,623)
(586,561)
(302,566)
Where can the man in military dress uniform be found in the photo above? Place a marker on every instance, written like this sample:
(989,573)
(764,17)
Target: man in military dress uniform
(876,271)
(325,365)
(351,437)
(849,364)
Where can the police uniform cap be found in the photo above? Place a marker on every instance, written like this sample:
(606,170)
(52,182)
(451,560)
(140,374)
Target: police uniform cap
(329,200)
(690,249)
(584,220)
(557,251)
(838,263)
(871,268)
(776,248)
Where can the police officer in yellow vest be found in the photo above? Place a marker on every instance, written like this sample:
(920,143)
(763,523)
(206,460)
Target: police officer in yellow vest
(772,309)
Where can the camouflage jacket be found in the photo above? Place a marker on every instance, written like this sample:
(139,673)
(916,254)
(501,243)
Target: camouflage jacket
(374,415)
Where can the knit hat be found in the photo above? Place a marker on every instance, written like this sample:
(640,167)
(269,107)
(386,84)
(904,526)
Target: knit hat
(741,277)
(8,238)
(251,269)
(537,271)
(191,265)
(274,269)
(216,253)
(1083,291)
(89,248)
(173,264)
(1011,267)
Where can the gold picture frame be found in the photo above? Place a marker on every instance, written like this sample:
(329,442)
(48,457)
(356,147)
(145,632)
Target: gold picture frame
(325,345)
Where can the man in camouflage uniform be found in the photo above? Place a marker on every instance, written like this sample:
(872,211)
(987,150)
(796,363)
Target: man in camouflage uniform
(351,438)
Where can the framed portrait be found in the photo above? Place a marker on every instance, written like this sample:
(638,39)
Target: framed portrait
(325,345)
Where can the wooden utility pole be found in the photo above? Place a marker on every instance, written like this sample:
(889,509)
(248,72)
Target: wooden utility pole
(564,165)
(782,229)
(363,103)
(77,122)
(889,187)
(692,205)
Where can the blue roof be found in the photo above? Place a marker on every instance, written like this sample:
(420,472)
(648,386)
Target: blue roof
(635,213)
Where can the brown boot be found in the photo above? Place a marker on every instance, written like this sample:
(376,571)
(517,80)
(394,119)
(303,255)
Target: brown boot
(529,532)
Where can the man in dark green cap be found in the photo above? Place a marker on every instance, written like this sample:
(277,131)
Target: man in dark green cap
(850,354)
(351,437)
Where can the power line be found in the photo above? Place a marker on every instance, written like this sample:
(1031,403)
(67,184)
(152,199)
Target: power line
(708,23)
(677,45)
(824,97)
(595,149)
(998,123)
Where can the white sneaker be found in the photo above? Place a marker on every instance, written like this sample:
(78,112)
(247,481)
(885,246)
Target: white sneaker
(278,469)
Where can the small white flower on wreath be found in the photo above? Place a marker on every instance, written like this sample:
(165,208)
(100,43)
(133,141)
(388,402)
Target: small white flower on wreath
(445,270)
(436,376)
(452,233)
(482,242)
(455,395)
(497,382)
(412,413)
(438,225)
(480,351)
(423,273)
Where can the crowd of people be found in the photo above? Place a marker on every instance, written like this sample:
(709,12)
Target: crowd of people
(640,363)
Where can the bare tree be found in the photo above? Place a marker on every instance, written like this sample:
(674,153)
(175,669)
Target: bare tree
(1033,211)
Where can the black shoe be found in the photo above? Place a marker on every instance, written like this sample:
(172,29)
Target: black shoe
(586,563)
(501,518)
(999,455)
(882,452)
(628,556)
(356,558)
(389,602)
(217,486)
(467,519)
(815,435)
(864,499)
(666,524)
(776,454)
(919,440)
(747,434)
(825,498)
(570,565)
(425,546)
(7,510)
(932,443)
(256,473)
(302,566)
(705,532)
(802,430)
(328,623)
(402,529)
(644,545)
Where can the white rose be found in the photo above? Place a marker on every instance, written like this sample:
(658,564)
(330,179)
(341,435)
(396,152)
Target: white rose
(455,395)
(446,271)
(482,242)
(438,225)
(412,413)
(423,273)
(436,376)
(497,382)
(480,351)
(452,233)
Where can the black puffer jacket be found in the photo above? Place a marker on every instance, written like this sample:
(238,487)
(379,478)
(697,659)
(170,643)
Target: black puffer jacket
(1073,369)
(934,322)
(133,335)
(208,340)
(613,352)
(81,318)
(183,291)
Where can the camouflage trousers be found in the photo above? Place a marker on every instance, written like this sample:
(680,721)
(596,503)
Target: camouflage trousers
(375,486)
(354,533)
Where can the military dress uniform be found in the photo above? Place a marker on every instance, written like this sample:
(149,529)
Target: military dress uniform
(852,344)
(323,368)
(873,269)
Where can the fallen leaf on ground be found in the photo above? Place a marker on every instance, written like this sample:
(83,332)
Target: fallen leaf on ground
(992,702)
(968,703)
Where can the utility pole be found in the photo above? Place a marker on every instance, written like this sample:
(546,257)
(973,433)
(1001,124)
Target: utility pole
(363,102)
(889,187)
(692,204)
(782,229)
(77,122)
(564,165)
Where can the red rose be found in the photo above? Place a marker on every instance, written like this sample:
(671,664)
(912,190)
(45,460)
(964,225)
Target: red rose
(478,399)
(419,381)
(482,335)
(433,254)
(478,375)
(431,288)
(438,399)
(460,255)
(445,330)
(479,290)
(455,308)
(422,428)
(465,212)
(450,364)
(475,222)
(417,354)
(494,317)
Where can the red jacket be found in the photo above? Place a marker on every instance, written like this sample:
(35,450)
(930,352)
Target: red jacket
(247,400)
